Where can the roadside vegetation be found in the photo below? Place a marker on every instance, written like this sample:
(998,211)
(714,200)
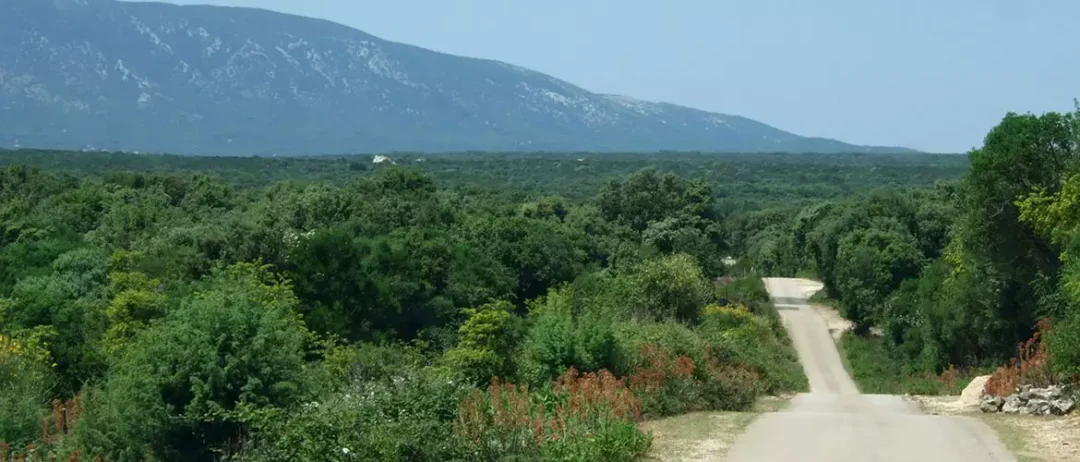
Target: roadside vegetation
(943,282)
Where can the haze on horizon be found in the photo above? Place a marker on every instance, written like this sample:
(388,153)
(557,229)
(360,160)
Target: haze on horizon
(933,75)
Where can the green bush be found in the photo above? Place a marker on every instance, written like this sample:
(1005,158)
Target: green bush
(25,379)
(559,338)
(347,364)
(675,338)
(488,339)
(728,388)
(671,287)
(408,417)
(1063,346)
(877,370)
(737,337)
(226,360)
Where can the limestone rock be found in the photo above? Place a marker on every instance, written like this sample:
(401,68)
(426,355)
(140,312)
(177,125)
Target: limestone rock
(1012,404)
(991,404)
(1062,406)
(1037,406)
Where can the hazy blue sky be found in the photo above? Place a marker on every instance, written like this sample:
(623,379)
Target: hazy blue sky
(929,74)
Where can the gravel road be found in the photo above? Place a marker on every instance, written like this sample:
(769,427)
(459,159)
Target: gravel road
(835,423)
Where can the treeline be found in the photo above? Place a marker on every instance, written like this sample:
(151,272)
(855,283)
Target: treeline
(960,274)
(739,181)
(173,316)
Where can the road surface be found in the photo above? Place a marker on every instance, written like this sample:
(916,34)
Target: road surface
(835,423)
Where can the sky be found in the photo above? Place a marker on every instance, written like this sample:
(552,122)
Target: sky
(933,75)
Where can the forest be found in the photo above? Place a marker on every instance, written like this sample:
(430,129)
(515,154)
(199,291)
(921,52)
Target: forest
(482,306)
(980,274)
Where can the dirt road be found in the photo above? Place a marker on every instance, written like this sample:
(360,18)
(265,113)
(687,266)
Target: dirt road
(835,423)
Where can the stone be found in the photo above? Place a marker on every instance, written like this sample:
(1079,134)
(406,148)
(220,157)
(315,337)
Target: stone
(1012,404)
(991,404)
(1037,406)
(1026,393)
(1062,406)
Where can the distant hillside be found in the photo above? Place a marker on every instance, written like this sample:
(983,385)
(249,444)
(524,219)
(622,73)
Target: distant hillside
(100,74)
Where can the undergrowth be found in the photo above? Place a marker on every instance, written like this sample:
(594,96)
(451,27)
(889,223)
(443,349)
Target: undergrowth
(877,371)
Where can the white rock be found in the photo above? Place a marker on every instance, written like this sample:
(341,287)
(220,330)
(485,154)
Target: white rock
(1062,406)
(1012,405)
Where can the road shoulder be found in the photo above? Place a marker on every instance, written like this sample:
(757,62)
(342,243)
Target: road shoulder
(703,436)
(1030,438)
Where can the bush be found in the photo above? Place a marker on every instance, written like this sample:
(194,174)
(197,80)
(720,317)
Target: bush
(666,383)
(737,337)
(727,387)
(671,287)
(226,360)
(348,364)
(674,338)
(25,379)
(1032,364)
(877,370)
(586,417)
(560,339)
(1063,346)
(488,339)
(405,418)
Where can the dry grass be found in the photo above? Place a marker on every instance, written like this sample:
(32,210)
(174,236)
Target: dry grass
(1038,438)
(702,436)
(1030,438)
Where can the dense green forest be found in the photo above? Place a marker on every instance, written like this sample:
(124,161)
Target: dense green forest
(739,181)
(170,315)
(454,307)
(966,275)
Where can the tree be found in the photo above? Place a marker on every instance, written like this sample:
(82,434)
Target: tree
(1021,154)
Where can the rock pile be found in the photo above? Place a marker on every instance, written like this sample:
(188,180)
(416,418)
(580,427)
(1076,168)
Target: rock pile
(1031,400)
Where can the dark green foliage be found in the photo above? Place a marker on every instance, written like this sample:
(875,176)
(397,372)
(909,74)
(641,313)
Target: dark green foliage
(195,308)
(390,419)
(562,337)
(877,370)
(955,275)
(26,380)
(227,360)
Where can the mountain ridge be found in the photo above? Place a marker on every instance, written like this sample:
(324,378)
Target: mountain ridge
(102,74)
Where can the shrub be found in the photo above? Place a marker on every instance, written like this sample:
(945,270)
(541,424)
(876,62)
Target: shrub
(408,417)
(560,339)
(25,380)
(673,337)
(590,417)
(666,383)
(488,338)
(1063,348)
(728,387)
(738,337)
(878,369)
(348,364)
(1030,367)
(671,287)
(227,359)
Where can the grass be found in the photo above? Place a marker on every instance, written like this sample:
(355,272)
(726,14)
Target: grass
(1015,437)
(876,371)
(822,298)
(701,436)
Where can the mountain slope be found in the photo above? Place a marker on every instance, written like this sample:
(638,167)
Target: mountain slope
(102,74)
